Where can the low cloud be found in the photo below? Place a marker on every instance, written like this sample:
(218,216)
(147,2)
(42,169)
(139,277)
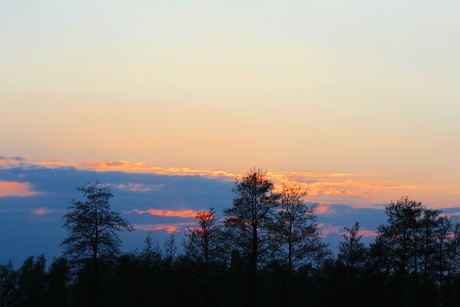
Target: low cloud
(138,187)
(340,230)
(14,188)
(322,209)
(442,206)
(11,162)
(169,228)
(367,233)
(42,211)
(167,213)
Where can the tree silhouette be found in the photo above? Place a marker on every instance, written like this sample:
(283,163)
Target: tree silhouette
(58,277)
(32,282)
(294,234)
(204,246)
(248,220)
(352,252)
(352,257)
(397,242)
(414,249)
(8,284)
(93,231)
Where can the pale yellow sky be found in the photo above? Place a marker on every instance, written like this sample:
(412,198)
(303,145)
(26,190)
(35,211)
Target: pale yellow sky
(325,86)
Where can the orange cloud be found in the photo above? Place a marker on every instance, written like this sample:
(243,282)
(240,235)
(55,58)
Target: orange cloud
(176,213)
(169,228)
(13,188)
(140,167)
(42,211)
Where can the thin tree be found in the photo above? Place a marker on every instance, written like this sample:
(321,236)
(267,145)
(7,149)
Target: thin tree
(203,245)
(352,252)
(32,282)
(294,233)
(247,222)
(352,256)
(57,290)
(93,231)
(8,284)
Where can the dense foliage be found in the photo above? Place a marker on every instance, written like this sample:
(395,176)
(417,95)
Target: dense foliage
(265,251)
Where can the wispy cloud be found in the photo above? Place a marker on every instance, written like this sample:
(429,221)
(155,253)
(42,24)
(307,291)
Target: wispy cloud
(367,233)
(443,205)
(172,213)
(42,211)
(13,188)
(322,209)
(169,228)
(11,162)
(140,167)
(138,187)
(329,229)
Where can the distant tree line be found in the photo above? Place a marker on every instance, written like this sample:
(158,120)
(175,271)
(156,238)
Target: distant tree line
(265,251)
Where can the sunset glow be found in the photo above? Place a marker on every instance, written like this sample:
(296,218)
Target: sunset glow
(326,188)
(169,104)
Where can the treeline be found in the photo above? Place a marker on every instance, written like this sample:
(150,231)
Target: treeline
(266,250)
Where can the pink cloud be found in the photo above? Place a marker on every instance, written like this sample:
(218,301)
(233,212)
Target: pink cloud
(322,209)
(42,211)
(13,188)
(326,230)
(367,233)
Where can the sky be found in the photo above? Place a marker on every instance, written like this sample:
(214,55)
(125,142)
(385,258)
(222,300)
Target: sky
(358,100)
